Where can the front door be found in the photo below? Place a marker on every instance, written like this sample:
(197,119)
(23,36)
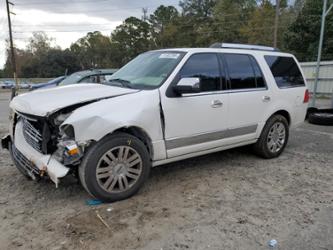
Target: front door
(197,121)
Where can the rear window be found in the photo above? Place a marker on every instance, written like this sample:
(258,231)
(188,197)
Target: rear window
(285,71)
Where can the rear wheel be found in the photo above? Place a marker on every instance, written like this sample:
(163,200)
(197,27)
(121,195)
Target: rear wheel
(273,138)
(115,168)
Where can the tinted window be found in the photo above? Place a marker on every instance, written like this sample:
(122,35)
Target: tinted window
(260,82)
(206,67)
(285,71)
(241,72)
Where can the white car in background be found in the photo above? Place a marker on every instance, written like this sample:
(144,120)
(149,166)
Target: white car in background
(163,106)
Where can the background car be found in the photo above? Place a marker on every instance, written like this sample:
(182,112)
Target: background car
(52,83)
(24,85)
(7,84)
(89,76)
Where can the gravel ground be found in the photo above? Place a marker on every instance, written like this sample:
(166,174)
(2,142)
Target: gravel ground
(226,200)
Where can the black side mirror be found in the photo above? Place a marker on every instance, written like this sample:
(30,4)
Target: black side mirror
(188,85)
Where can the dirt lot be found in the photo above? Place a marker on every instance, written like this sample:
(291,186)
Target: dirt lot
(226,200)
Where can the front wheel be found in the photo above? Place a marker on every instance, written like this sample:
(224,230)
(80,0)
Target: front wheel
(115,168)
(273,138)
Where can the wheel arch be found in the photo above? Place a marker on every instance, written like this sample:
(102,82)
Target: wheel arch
(139,133)
(284,113)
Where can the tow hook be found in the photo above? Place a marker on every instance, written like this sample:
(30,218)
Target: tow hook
(5,142)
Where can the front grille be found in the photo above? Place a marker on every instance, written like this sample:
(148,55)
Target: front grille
(24,162)
(32,135)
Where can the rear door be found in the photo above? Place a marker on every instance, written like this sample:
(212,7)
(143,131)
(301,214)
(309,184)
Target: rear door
(249,99)
(197,121)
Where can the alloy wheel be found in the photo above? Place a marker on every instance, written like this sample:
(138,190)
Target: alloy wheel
(276,137)
(119,169)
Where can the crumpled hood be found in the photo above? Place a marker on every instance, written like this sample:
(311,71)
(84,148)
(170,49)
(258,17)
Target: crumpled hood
(46,101)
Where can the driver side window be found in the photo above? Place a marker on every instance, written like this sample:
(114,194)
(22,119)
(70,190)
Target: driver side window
(206,67)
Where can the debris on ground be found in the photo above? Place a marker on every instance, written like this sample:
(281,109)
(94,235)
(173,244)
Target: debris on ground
(93,202)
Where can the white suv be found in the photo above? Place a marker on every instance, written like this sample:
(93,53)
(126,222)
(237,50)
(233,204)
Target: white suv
(163,106)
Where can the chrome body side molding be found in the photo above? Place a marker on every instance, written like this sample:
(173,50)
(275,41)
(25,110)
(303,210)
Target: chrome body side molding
(212,136)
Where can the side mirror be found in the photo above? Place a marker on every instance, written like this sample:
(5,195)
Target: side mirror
(188,85)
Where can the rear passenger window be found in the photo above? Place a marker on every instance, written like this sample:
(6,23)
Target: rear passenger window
(259,77)
(285,71)
(241,72)
(206,67)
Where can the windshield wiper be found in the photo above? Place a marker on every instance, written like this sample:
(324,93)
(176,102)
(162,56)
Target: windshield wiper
(123,82)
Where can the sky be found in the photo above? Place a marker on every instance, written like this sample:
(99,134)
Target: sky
(68,20)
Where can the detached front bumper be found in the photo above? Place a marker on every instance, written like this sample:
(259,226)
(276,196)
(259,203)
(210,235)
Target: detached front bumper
(30,159)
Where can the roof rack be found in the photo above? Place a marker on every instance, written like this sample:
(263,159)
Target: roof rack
(242,46)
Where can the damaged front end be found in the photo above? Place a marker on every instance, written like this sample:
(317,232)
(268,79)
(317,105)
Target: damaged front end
(40,141)
(40,146)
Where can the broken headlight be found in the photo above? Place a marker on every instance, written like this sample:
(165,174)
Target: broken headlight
(68,152)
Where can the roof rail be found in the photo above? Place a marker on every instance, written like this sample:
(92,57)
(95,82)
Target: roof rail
(242,46)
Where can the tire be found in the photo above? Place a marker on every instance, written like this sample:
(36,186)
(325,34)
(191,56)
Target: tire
(321,118)
(264,147)
(310,111)
(112,160)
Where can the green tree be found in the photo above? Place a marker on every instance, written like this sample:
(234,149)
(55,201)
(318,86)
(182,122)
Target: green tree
(302,37)
(129,39)
(54,62)
(260,26)
(162,17)
(198,8)
(230,17)
(193,27)
(39,43)
(93,50)
(40,59)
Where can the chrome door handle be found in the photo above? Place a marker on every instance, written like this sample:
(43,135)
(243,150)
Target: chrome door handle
(266,98)
(216,104)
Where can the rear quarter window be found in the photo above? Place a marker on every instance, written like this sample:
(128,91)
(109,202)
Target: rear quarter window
(285,71)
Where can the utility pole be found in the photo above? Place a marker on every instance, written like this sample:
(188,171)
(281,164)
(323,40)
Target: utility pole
(276,22)
(321,39)
(12,48)
(144,17)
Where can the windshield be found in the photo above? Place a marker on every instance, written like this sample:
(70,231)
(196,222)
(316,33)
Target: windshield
(73,78)
(146,71)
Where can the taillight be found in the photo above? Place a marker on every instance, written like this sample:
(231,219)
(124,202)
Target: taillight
(306,96)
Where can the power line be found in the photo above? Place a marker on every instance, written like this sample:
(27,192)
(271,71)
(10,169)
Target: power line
(60,31)
(90,30)
(60,25)
(101,27)
(106,24)
(95,10)
(58,2)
